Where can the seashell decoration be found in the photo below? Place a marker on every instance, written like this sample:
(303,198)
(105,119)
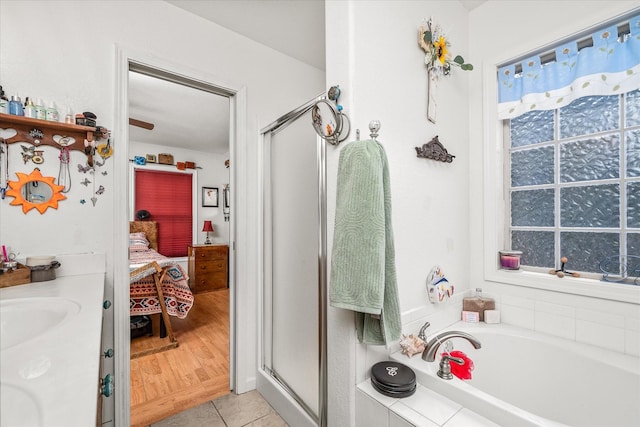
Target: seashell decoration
(411,344)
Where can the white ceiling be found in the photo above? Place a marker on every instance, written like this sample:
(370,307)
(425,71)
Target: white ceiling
(199,120)
(182,116)
(293,27)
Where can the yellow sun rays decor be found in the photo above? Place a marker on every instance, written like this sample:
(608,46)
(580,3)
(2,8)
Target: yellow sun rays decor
(16,191)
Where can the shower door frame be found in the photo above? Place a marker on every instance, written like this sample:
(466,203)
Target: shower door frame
(275,389)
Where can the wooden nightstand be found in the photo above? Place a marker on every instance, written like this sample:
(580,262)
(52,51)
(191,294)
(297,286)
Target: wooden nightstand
(208,267)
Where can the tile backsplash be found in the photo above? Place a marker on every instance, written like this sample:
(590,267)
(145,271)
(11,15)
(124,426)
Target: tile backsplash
(603,323)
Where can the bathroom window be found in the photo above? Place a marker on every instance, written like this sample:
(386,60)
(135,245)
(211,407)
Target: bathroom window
(564,180)
(572,183)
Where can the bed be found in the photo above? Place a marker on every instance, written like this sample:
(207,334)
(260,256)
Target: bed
(157,284)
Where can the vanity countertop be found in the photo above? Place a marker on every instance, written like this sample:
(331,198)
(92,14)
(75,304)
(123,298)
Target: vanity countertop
(53,377)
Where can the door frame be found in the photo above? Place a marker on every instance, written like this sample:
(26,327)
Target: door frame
(239,376)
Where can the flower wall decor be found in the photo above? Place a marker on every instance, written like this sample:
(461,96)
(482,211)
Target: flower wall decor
(436,46)
(437,54)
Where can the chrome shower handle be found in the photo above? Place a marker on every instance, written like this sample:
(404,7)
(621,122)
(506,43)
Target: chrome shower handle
(448,357)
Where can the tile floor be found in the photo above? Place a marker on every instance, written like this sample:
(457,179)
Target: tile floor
(244,410)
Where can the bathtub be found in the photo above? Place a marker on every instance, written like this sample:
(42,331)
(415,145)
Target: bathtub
(525,378)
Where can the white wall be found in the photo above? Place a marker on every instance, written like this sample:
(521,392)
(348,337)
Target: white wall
(375,57)
(66,51)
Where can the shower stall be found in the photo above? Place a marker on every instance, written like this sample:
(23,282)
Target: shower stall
(292,374)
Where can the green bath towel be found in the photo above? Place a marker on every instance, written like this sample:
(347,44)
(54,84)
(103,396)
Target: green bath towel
(363,272)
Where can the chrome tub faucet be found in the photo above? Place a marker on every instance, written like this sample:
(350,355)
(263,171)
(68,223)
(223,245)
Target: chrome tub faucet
(429,353)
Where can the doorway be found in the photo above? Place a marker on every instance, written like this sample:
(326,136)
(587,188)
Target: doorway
(134,62)
(169,133)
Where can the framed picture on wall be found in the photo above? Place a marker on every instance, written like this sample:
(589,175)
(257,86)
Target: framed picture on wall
(209,197)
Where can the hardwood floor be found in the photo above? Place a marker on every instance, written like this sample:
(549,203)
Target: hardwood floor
(166,383)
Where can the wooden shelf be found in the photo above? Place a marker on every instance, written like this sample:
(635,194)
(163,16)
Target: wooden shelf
(24,126)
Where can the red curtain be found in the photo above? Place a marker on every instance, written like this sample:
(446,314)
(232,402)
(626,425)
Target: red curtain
(168,198)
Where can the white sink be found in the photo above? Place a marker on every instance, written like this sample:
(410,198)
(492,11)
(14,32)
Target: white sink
(19,408)
(23,319)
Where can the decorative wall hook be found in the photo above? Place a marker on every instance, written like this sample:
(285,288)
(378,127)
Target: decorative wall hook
(434,150)
(37,135)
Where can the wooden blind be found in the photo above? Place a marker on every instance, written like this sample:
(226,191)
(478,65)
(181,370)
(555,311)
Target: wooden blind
(168,198)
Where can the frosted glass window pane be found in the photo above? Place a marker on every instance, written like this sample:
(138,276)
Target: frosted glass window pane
(532,208)
(632,112)
(633,204)
(590,206)
(590,114)
(586,250)
(633,153)
(532,128)
(532,167)
(633,244)
(537,247)
(590,159)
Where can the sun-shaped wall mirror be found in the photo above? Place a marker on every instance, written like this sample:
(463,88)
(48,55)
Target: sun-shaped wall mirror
(35,191)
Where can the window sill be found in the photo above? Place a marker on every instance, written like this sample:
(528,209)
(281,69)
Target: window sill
(570,285)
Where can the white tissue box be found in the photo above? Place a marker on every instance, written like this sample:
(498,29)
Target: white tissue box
(492,316)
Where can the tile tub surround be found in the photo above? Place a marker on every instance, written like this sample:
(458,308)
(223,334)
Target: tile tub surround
(57,372)
(425,408)
(607,324)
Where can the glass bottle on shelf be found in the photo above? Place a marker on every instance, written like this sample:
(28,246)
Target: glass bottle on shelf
(30,109)
(52,113)
(15,106)
(41,112)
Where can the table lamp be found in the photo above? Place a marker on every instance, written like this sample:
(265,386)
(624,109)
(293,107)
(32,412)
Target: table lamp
(208,227)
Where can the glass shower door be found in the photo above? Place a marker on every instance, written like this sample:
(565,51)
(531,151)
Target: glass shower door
(293,248)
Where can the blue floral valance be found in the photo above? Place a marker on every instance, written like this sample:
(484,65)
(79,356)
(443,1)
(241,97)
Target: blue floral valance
(611,66)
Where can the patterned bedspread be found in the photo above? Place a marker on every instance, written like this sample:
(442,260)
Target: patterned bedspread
(143,298)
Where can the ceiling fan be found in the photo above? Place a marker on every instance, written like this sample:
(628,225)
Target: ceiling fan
(141,124)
